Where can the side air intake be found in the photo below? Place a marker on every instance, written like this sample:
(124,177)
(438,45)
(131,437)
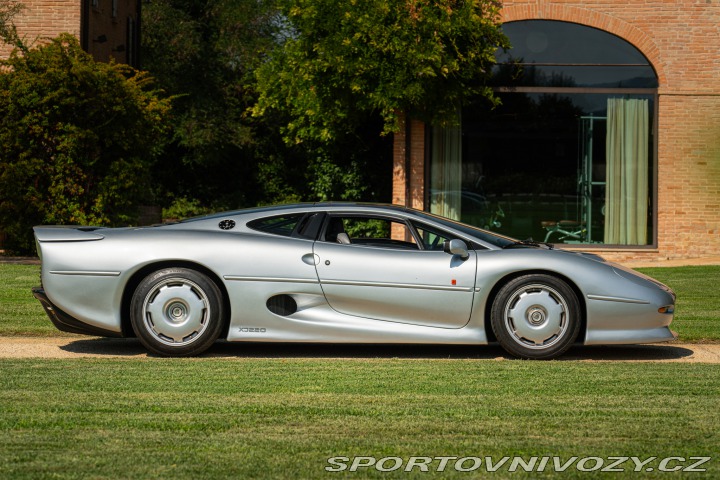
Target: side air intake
(282,305)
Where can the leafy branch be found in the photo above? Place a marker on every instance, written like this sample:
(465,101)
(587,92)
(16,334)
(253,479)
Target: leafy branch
(9,9)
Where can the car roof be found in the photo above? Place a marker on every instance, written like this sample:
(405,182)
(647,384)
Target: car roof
(300,206)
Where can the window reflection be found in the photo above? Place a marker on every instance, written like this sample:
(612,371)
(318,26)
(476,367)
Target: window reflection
(549,41)
(559,54)
(594,76)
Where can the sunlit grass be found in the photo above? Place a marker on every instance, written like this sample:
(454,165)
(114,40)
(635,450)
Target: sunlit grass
(20,312)
(697,314)
(283,418)
(243,417)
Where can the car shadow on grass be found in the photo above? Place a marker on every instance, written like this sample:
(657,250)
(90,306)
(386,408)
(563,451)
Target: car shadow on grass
(98,347)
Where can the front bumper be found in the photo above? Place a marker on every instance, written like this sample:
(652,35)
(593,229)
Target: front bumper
(66,323)
(630,337)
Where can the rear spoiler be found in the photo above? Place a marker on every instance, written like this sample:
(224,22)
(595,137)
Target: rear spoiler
(62,233)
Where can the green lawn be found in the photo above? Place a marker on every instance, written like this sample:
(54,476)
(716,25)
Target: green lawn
(20,313)
(283,418)
(244,417)
(697,316)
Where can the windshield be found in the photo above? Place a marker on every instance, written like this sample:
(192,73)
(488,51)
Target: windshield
(484,235)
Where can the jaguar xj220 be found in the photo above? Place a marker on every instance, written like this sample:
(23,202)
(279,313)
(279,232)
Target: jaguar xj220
(340,273)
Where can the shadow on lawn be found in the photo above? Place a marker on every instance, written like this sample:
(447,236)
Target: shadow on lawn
(132,348)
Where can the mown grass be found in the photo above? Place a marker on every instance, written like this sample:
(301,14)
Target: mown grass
(697,316)
(283,418)
(698,306)
(20,312)
(244,417)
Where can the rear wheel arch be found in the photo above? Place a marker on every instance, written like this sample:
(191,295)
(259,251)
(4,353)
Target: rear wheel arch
(138,277)
(507,278)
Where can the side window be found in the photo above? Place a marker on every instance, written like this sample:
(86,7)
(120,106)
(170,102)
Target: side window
(431,238)
(369,231)
(283,225)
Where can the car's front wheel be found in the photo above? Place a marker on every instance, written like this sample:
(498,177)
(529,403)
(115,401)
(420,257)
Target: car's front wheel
(177,312)
(536,316)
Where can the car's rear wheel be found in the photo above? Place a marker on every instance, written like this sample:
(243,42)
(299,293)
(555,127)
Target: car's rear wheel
(536,316)
(177,312)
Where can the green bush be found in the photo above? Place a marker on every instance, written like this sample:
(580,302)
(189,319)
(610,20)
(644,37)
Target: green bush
(184,207)
(77,138)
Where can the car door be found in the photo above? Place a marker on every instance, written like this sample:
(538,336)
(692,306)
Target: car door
(381,268)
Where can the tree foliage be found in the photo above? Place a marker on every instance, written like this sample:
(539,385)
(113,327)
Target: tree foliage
(204,52)
(343,59)
(323,79)
(77,139)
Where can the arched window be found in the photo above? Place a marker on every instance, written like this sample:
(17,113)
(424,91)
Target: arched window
(569,155)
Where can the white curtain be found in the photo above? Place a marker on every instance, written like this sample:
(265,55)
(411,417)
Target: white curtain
(626,193)
(446,172)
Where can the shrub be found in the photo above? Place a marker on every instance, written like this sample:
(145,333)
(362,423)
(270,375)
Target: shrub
(184,207)
(77,138)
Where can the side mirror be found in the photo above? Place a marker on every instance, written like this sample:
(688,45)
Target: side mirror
(456,247)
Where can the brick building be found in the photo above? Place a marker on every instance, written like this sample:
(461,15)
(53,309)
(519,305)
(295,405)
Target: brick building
(106,28)
(608,138)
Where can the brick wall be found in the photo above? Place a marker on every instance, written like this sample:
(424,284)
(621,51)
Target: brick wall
(681,38)
(42,19)
(107,25)
(417,169)
(417,162)
(689,187)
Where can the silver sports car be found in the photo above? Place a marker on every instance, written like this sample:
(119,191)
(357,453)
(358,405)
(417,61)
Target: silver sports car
(350,273)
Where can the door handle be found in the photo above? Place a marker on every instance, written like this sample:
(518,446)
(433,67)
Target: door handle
(311,259)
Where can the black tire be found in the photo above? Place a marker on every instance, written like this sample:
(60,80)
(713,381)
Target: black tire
(536,316)
(177,312)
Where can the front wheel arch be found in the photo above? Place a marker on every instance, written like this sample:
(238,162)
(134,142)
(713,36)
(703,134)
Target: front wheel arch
(137,277)
(507,278)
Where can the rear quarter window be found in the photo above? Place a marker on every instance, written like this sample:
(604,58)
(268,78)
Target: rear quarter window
(283,225)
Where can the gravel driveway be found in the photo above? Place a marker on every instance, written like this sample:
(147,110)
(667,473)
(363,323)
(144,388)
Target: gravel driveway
(90,347)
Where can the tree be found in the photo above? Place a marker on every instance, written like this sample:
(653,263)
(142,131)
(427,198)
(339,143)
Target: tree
(342,60)
(204,53)
(343,72)
(77,139)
